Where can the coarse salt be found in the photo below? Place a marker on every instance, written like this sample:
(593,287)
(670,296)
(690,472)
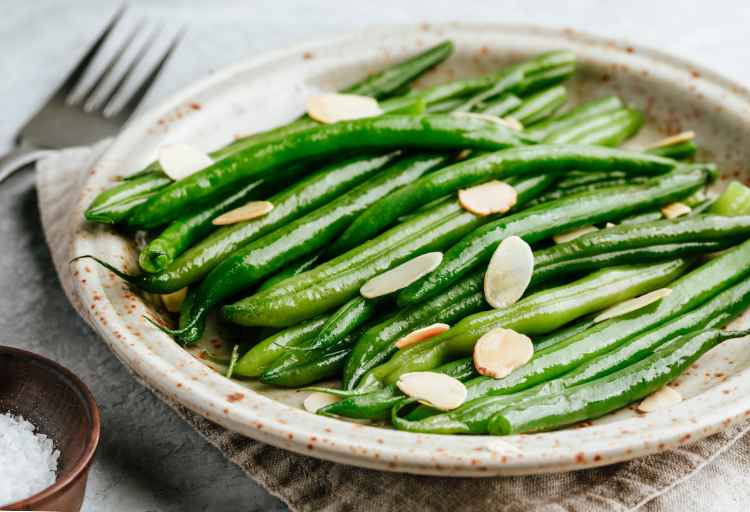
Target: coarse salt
(28,461)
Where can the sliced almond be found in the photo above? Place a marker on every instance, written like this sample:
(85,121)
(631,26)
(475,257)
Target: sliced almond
(488,198)
(173,301)
(317,400)
(509,272)
(500,351)
(674,210)
(420,335)
(631,305)
(249,211)
(673,139)
(572,235)
(464,154)
(331,108)
(610,225)
(181,160)
(660,400)
(436,390)
(401,276)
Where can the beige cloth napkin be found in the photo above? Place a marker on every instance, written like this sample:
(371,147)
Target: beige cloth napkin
(697,477)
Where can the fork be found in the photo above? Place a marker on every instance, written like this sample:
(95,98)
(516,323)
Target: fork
(82,119)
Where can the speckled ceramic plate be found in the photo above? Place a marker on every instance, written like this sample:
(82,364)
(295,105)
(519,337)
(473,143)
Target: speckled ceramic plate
(266,91)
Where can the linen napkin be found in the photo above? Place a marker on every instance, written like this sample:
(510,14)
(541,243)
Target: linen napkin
(695,477)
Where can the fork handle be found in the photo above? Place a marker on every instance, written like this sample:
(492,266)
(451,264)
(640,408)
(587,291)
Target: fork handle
(18,158)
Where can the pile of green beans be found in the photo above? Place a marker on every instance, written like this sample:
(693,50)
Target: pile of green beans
(356,198)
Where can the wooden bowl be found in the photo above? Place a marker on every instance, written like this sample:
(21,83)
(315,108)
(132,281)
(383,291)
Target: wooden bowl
(61,407)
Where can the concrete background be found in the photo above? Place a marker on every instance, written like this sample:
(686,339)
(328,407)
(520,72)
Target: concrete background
(148,459)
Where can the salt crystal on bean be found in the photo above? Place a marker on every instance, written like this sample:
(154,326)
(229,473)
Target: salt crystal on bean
(28,461)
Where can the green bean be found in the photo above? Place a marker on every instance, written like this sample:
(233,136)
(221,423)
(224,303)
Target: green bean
(323,296)
(160,252)
(539,106)
(601,396)
(566,332)
(608,129)
(113,205)
(542,221)
(538,313)
(352,259)
(474,414)
(542,71)
(688,292)
(344,320)
(447,106)
(377,404)
(282,308)
(652,253)
(570,119)
(501,105)
(381,133)
(590,252)
(394,77)
(256,260)
(540,159)
(647,216)
(735,200)
(323,367)
(299,199)
(376,345)
(299,266)
(680,151)
(262,356)
(576,179)
(699,228)
(554,195)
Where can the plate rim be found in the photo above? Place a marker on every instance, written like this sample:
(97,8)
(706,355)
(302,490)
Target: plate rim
(333,439)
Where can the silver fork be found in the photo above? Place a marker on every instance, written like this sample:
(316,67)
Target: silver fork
(67,120)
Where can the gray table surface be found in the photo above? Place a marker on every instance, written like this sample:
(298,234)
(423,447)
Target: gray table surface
(148,459)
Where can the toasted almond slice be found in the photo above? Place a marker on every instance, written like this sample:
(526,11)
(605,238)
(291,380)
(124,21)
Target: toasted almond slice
(317,400)
(181,160)
(420,335)
(572,235)
(674,210)
(509,272)
(173,301)
(610,225)
(637,303)
(464,154)
(662,399)
(331,108)
(249,211)
(488,198)
(401,276)
(673,139)
(436,390)
(500,351)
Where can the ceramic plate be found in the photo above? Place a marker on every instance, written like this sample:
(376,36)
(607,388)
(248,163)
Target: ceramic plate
(270,90)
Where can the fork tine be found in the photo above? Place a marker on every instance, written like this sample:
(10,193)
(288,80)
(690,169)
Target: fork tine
(91,100)
(70,82)
(135,99)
